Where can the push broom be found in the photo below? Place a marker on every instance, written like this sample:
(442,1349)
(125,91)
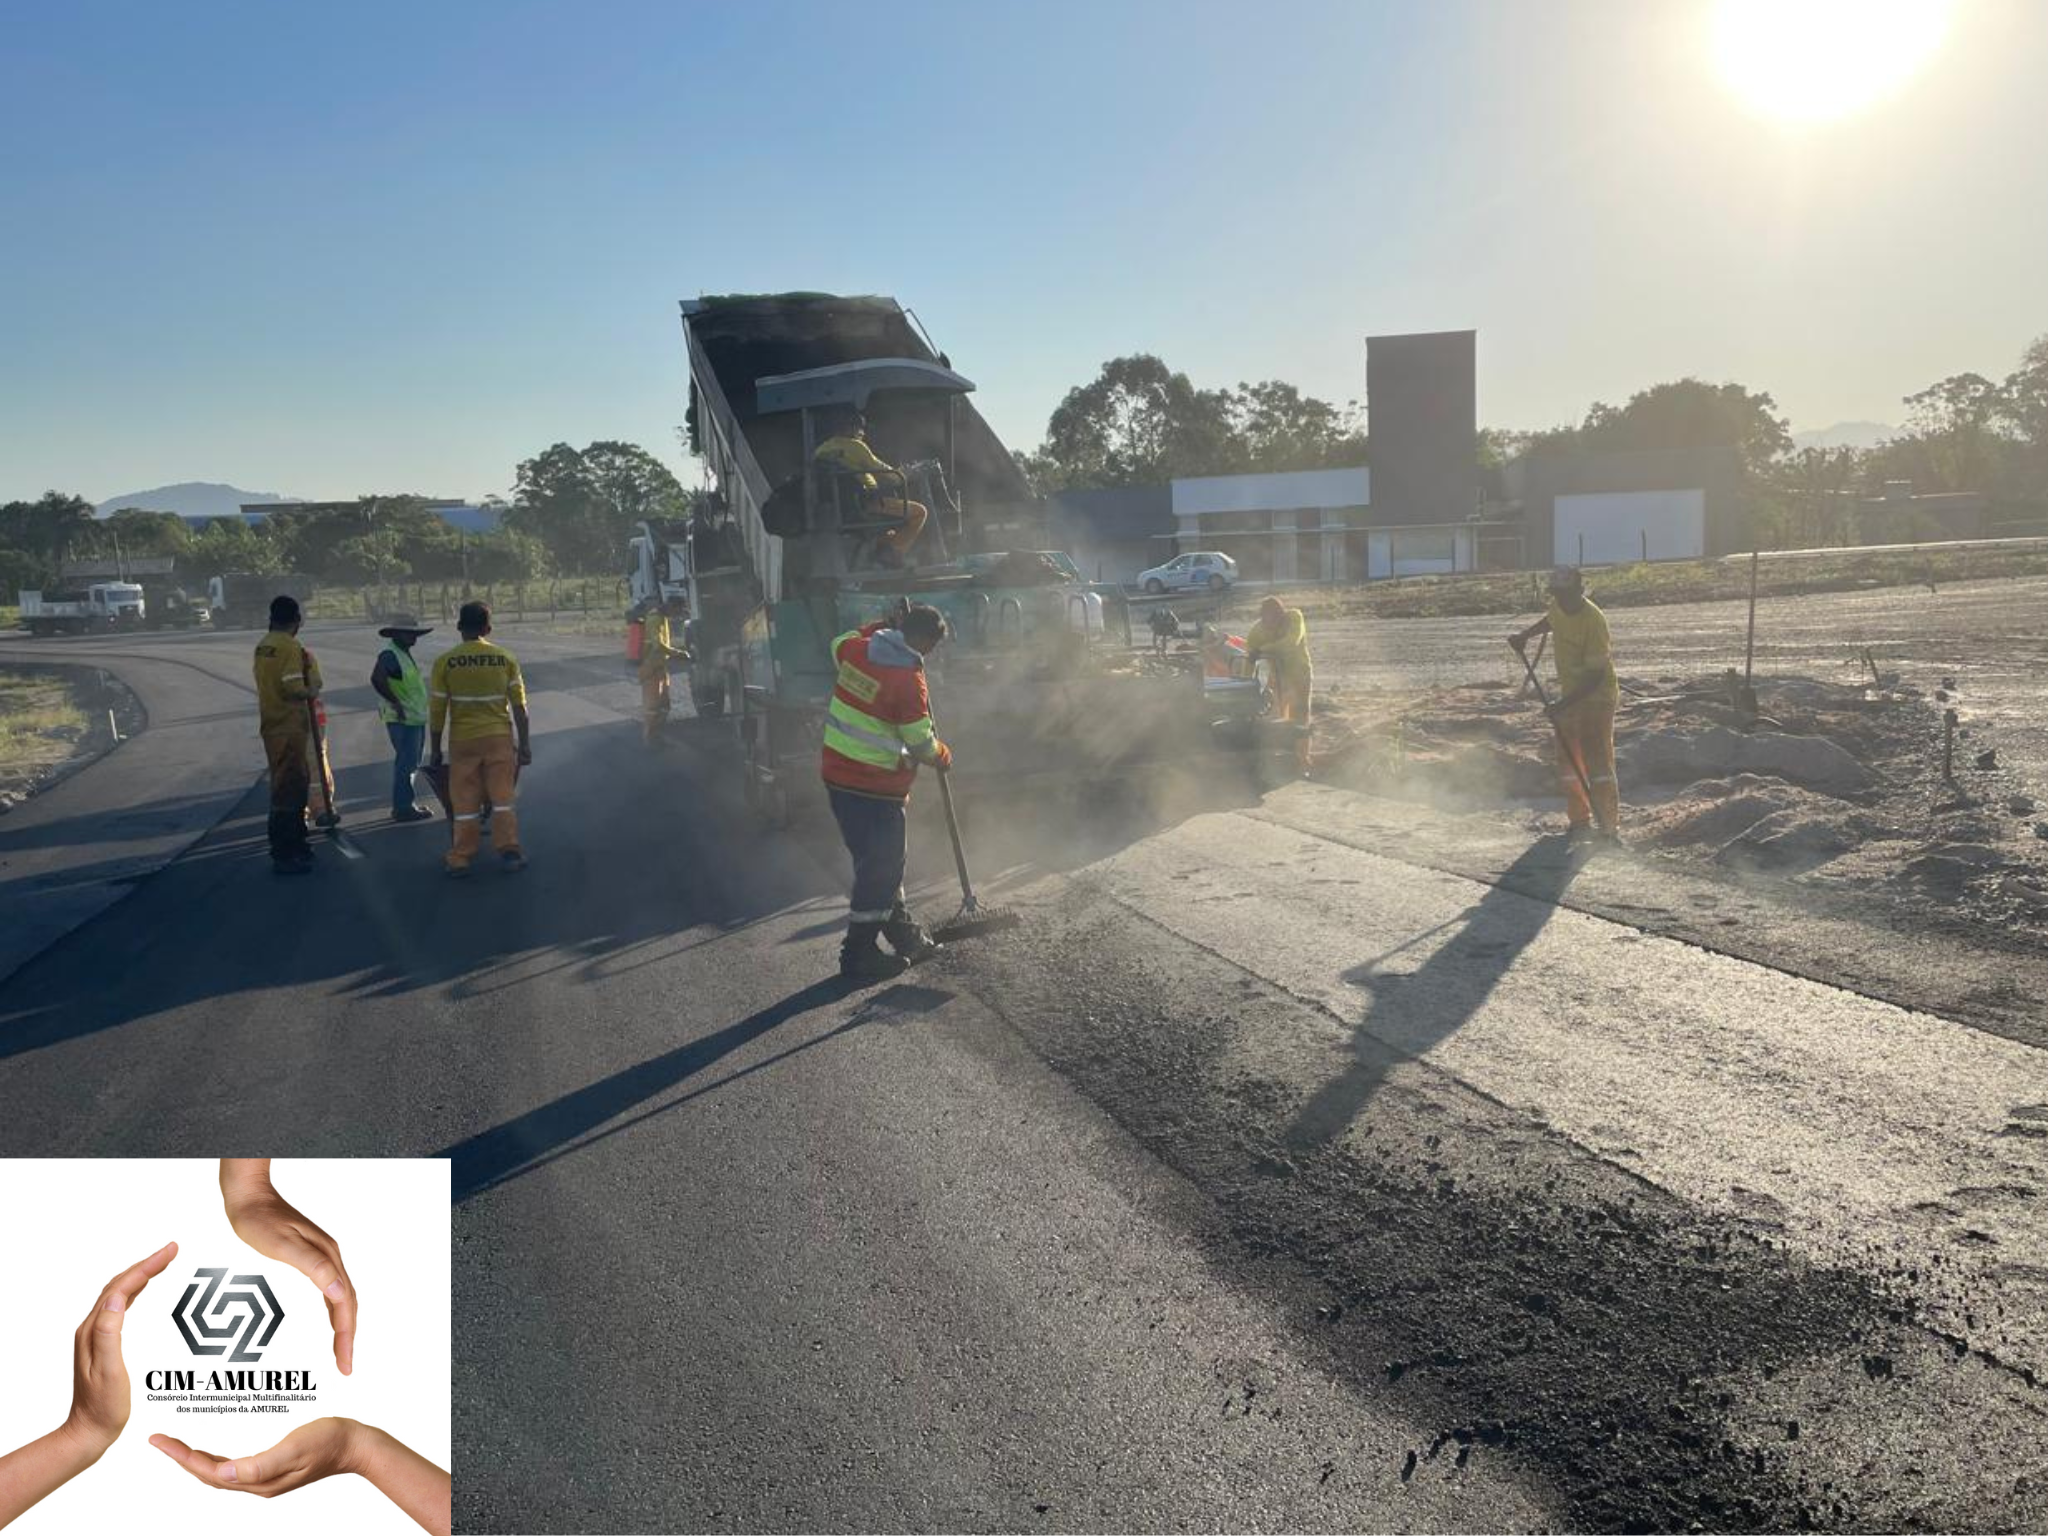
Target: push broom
(972,918)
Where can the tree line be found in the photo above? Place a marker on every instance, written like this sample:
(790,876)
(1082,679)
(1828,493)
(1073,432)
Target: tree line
(1139,422)
(570,514)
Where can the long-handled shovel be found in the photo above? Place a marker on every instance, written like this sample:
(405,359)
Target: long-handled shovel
(329,819)
(1563,746)
(972,918)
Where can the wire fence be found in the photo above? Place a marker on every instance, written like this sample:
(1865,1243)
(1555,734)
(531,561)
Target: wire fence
(596,597)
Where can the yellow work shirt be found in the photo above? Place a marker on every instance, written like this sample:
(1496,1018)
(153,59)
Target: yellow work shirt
(854,456)
(1579,645)
(473,688)
(286,676)
(657,645)
(1284,644)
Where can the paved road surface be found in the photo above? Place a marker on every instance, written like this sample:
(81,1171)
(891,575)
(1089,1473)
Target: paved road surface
(1260,1181)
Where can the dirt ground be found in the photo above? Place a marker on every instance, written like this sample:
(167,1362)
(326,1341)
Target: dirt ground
(51,721)
(1840,781)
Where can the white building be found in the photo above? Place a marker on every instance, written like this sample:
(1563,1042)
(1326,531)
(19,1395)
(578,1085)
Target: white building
(1299,525)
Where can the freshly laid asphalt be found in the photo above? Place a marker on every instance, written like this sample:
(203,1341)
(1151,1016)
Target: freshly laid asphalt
(1258,1181)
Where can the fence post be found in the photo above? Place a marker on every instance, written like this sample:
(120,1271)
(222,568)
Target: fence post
(1646,546)
(1582,549)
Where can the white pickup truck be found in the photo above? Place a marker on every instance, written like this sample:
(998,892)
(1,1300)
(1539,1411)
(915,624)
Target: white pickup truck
(103,605)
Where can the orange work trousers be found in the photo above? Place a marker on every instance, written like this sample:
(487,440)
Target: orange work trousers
(483,765)
(654,703)
(1585,733)
(1293,688)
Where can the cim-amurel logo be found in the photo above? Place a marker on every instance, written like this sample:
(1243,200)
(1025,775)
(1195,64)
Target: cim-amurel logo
(191,1317)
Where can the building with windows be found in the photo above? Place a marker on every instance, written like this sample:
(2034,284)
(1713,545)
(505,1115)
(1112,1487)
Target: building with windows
(1297,525)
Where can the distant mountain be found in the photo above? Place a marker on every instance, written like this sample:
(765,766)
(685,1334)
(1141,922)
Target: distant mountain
(1845,434)
(190,498)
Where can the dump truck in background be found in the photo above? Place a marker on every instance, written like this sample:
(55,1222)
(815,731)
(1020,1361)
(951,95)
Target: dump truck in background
(1039,675)
(102,606)
(242,601)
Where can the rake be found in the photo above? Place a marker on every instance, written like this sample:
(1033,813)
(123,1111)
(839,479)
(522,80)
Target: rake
(972,918)
(1563,747)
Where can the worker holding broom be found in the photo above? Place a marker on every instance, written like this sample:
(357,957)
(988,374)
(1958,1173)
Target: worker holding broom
(878,728)
(657,650)
(477,692)
(287,686)
(1583,712)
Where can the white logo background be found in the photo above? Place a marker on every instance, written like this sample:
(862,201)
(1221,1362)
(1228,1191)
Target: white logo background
(73,1224)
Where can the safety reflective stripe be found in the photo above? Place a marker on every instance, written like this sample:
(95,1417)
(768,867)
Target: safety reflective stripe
(860,736)
(879,915)
(917,731)
(470,816)
(889,746)
(293,677)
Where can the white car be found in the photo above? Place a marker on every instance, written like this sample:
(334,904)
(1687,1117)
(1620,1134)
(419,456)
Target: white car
(1203,571)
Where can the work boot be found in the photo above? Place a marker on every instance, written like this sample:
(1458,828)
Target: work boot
(291,866)
(861,958)
(908,938)
(513,860)
(413,813)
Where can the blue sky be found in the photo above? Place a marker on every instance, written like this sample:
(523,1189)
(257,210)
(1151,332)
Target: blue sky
(332,250)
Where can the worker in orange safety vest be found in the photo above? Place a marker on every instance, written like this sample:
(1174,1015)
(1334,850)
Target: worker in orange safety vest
(878,729)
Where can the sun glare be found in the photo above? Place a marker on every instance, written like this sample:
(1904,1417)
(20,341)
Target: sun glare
(1814,61)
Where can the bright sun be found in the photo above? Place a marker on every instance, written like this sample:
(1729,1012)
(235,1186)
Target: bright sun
(1812,61)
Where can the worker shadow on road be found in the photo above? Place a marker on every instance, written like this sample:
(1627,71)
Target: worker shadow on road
(1425,989)
(571,1122)
(636,859)
(144,819)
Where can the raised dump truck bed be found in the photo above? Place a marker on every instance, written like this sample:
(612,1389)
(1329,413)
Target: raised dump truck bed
(1039,673)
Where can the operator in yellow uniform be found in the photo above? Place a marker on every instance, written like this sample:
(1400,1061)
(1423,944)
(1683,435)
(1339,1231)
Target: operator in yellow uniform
(1280,637)
(477,692)
(657,650)
(848,452)
(1588,692)
(287,683)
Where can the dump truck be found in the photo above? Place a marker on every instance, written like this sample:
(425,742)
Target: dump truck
(103,605)
(242,601)
(1039,675)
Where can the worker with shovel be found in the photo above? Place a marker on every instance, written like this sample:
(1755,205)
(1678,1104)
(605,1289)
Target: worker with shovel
(1583,712)
(477,692)
(878,728)
(287,684)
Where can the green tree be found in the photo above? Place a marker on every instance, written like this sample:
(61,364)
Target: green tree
(150,533)
(1280,428)
(581,505)
(1140,423)
(47,529)
(229,545)
(1687,413)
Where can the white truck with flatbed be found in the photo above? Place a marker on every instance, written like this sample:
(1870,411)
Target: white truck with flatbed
(104,605)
